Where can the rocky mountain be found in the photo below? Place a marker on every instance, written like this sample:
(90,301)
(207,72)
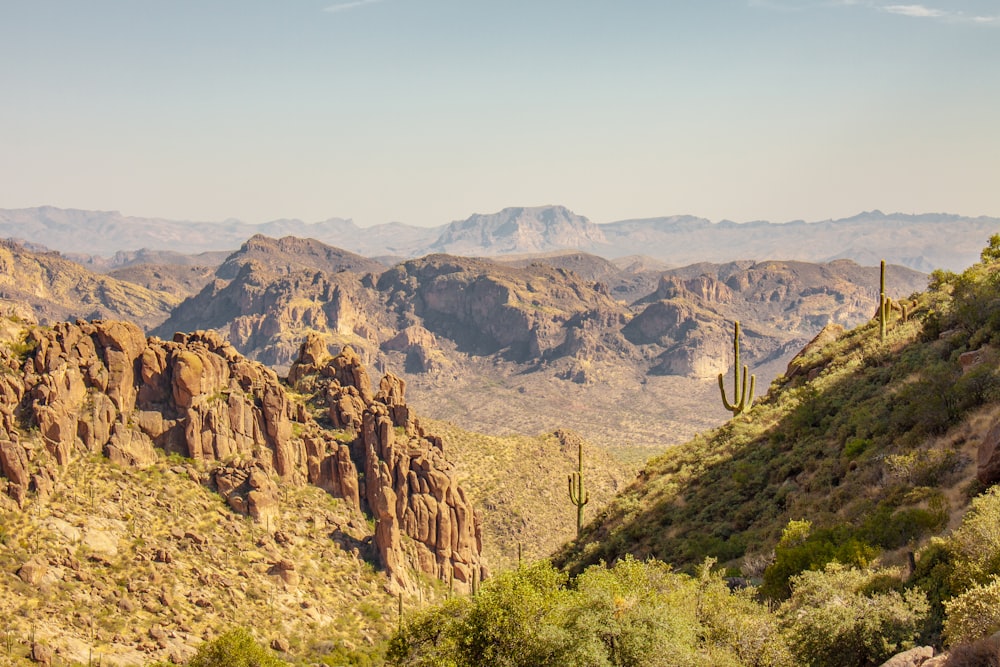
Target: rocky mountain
(524,330)
(104,388)
(187,418)
(47,287)
(270,294)
(915,241)
(519,230)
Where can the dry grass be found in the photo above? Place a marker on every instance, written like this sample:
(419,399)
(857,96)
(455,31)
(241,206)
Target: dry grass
(106,594)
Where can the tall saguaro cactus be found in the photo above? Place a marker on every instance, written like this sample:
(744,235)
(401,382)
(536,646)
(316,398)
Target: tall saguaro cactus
(742,398)
(578,495)
(884,303)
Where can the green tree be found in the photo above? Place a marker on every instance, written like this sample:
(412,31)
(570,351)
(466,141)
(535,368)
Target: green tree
(991,253)
(975,544)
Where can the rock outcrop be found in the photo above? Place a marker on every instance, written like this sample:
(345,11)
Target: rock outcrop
(988,457)
(102,387)
(408,483)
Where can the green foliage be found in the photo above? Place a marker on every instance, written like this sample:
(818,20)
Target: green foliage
(635,614)
(974,614)
(430,638)
(801,548)
(833,619)
(24,347)
(991,253)
(235,648)
(975,544)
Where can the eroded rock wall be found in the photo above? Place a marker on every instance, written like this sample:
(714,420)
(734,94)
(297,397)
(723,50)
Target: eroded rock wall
(102,387)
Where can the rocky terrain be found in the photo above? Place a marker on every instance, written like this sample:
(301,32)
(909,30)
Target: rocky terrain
(101,426)
(53,289)
(540,332)
(561,332)
(909,240)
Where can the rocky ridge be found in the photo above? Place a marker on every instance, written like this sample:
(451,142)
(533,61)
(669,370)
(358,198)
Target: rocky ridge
(56,289)
(103,387)
(450,324)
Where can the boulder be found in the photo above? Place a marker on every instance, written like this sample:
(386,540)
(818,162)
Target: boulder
(915,657)
(988,459)
(33,571)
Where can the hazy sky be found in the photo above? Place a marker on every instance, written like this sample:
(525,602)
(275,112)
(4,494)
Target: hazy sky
(426,111)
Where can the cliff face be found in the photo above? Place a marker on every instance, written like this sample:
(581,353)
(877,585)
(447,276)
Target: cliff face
(102,387)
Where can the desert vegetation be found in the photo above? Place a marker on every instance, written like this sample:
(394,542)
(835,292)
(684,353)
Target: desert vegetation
(830,502)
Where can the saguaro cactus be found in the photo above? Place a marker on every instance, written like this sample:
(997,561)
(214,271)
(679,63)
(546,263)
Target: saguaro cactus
(742,398)
(884,303)
(578,495)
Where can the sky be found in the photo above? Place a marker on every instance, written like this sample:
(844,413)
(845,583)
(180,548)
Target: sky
(427,111)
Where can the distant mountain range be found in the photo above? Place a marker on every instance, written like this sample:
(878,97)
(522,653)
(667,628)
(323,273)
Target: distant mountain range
(923,242)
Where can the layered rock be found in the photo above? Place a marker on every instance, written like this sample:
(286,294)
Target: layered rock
(102,387)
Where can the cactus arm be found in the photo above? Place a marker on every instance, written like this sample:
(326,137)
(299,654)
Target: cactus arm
(742,396)
(883,303)
(725,403)
(578,494)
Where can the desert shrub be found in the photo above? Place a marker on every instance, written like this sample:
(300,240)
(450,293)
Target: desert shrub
(638,613)
(976,542)
(803,548)
(855,447)
(735,623)
(516,620)
(634,614)
(974,614)
(430,637)
(833,619)
(890,528)
(235,648)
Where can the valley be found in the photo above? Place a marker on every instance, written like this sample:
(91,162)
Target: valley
(300,438)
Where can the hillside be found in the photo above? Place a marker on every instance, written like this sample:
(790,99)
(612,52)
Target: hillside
(55,289)
(155,493)
(853,512)
(874,442)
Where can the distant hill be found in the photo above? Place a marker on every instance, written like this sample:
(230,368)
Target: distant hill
(53,289)
(923,242)
(544,337)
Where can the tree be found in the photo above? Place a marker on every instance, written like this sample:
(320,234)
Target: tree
(991,253)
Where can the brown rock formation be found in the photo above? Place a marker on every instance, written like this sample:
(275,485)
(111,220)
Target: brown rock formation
(408,485)
(103,387)
(988,469)
(421,348)
(799,364)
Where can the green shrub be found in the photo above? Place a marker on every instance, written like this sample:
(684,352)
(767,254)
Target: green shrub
(833,619)
(973,615)
(802,548)
(635,614)
(975,544)
(235,648)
